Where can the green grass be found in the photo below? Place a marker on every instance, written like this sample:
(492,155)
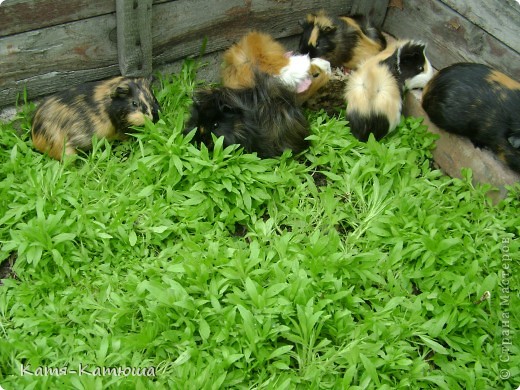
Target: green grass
(361,268)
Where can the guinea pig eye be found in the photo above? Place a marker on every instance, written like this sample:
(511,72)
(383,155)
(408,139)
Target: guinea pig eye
(215,125)
(134,103)
(421,68)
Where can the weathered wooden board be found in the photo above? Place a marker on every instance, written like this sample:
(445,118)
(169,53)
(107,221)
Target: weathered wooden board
(450,36)
(18,16)
(50,59)
(85,44)
(500,18)
(134,37)
(47,83)
(38,59)
(179,28)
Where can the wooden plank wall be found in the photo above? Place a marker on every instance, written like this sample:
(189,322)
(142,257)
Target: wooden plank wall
(484,31)
(48,46)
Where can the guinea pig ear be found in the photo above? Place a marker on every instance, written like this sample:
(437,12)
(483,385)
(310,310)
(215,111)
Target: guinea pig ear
(121,91)
(152,79)
(329,29)
(413,49)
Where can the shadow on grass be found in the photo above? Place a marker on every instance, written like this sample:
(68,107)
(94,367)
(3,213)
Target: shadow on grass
(6,267)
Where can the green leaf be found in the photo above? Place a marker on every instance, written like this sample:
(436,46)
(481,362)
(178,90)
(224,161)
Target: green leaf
(204,329)
(280,351)
(370,368)
(132,238)
(434,345)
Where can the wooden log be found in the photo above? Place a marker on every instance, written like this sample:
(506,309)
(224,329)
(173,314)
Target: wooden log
(450,36)
(134,37)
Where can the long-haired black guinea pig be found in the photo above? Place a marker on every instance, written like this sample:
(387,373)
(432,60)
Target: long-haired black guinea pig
(66,122)
(343,41)
(374,92)
(264,118)
(478,102)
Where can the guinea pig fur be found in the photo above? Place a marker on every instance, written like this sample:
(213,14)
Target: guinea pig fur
(480,103)
(259,52)
(375,90)
(264,118)
(66,122)
(343,41)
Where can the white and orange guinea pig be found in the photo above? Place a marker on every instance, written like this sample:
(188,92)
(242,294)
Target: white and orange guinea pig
(374,91)
(259,52)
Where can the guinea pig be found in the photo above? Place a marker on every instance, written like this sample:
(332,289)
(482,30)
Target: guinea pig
(66,122)
(320,73)
(259,52)
(343,41)
(480,103)
(264,118)
(374,92)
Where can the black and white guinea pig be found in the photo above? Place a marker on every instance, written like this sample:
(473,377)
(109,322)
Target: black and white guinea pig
(478,102)
(264,118)
(66,122)
(343,41)
(374,92)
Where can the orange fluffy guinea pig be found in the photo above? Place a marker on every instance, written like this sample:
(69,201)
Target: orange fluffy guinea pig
(259,52)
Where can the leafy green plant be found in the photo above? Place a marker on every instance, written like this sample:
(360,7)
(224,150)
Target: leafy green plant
(356,265)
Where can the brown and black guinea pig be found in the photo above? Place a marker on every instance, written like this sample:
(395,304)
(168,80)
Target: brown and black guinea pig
(264,118)
(480,103)
(343,41)
(66,122)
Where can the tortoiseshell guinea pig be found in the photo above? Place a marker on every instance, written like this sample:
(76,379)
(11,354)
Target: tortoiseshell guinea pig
(265,118)
(66,122)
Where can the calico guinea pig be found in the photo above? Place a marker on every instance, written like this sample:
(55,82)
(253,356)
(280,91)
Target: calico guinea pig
(374,92)
(343,41)
(478,102)
(259,52)
(264,118)
(67,121)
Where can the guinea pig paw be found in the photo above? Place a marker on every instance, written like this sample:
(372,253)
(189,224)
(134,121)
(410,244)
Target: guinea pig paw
(324,65)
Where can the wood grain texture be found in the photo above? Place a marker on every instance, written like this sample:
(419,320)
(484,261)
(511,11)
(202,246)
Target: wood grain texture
(85,44)
(47,83)
(179,27)
(50,59)
(134,37)
(18,16)
(500,18)
(450,36)
(46,55)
